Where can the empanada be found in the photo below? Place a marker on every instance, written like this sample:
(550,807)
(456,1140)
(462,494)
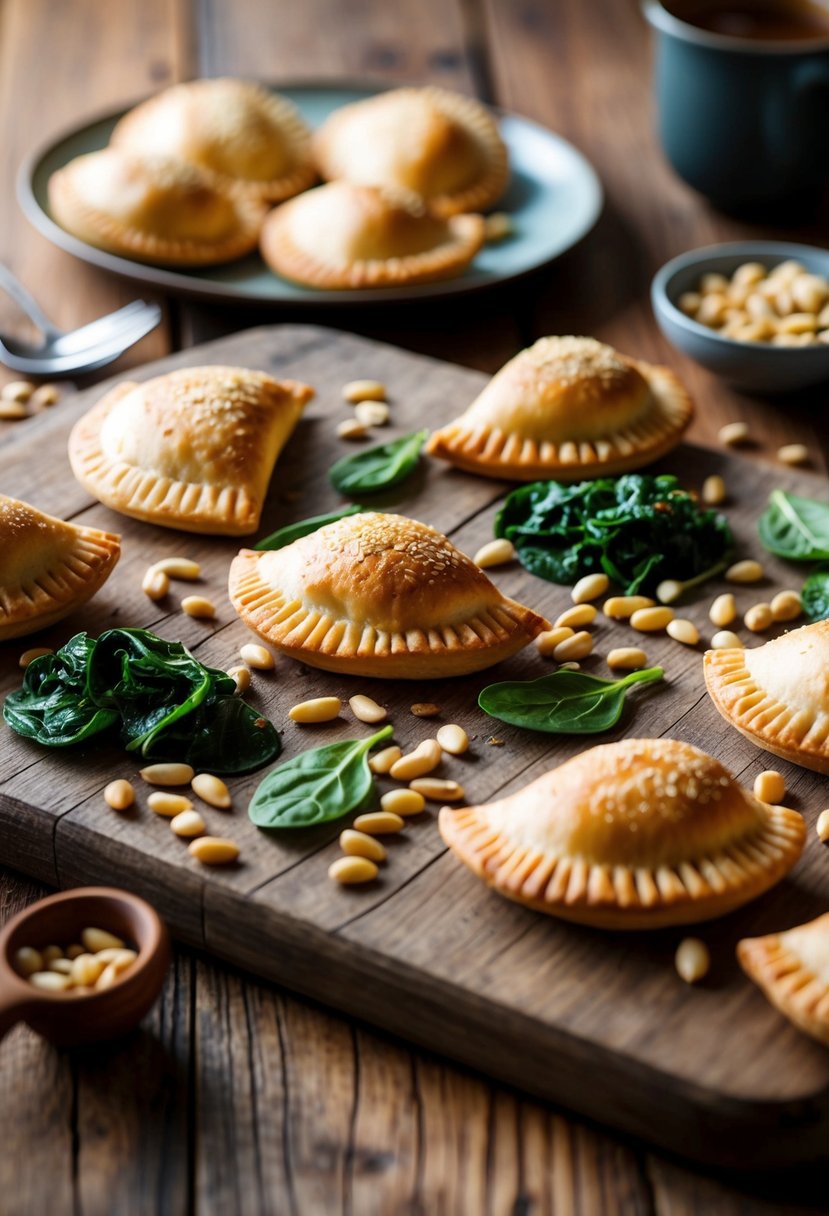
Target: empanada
(193,449)
(792,968)
(382,596)
(567,409)
(630,835)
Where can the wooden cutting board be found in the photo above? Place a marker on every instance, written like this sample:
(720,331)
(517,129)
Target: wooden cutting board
(596,1021)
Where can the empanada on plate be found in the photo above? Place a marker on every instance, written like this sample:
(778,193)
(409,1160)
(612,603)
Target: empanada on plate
(343,236)
(254,141)
(193,449)
(382,596)
(777,695)
(630,835)
(440,145)
(48,567)
(792,968)
(567,409)
(153,209)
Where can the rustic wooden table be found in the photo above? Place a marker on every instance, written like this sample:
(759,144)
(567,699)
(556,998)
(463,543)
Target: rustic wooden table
(173,1120)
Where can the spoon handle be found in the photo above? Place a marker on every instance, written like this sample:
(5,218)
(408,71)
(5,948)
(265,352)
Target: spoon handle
(14,288)
(13,1008)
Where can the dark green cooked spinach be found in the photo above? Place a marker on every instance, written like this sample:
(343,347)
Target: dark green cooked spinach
(795,527)
(564,702)
(815,594)
(378,468)
(304,527)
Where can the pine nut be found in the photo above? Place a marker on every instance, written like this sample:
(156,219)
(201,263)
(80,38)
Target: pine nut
(453,739)
(50,981)
(589,588)
(371,413)
(403,802)
(723,610)
(547,641)
(495,553)
(241,678)
(47,394)
(793,453)
(379,823)
(85,970)
(74,951)
(770,786)
(425,709)
(63,966)
(366,710)
(823,826)
(107,977)
(27,961)
(692,960)
(745,572)
(425,757)
(119,795)
(213,850)
(733,434)
(786,606)
(211,790)
(627,658)
(797,323)
(497,226)
(178,567)
(669,590)
(36,652)
(100,939)
(651,620)
(257,657)
(351,871)
(364,390)
(689,303)
(168,805)
(17,390)
(351,428)
(112,954)
(436,790)
(188,824)
(726,640)
(758,618)
(124,959)
(155,584)
(13,411)
(168,774)
(713,282)
(622,607)
(579,614)
(49,953)
(786,272)
(578,646)
(683,631)
(382,762)
(198,606)
(360,844)
(749,273)
(320,709)
(572,665)
(810,292)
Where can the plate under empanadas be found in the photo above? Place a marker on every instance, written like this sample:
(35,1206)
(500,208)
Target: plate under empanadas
(777,695)
(193,449)
(379,595)
(567,409)
(48,567)
(153,209)
(441,145)
(343,236)
(792,968)
(630,835)
(254,141)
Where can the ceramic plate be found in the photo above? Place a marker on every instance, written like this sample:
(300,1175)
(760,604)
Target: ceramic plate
(554,199)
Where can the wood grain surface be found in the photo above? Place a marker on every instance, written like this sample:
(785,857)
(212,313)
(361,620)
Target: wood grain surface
(298,1111)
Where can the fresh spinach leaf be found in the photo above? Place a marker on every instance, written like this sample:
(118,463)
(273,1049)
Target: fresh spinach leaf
(317,785)
(815,594)
(303,527)
(378,468)
(564,702)
(795,527)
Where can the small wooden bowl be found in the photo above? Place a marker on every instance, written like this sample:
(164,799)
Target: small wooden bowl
(70,1018)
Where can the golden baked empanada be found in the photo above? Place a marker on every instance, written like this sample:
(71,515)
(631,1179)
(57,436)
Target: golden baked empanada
(343,236)
(154,209)
(379,595)
(253,140)
(48,567)
(629,835)
(777,695)
(441,145)
(567,408)
(193,449)
(792,968)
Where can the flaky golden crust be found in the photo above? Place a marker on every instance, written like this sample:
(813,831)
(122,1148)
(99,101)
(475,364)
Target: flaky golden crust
(631,835)
(792,969)
(777,695)
(254,142)
(567,408)
(48,567)
(193,449)
(441,145)
(341,237)
(153,209)
(379,595)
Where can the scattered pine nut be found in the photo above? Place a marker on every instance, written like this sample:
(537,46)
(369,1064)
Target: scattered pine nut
(723,610)
(425,709)
(572,665)
(360,844)
(379,823)
(822,826)
(578,615)
(547,641)
(425,757)
(436,790)
(211,790)
(793,453)
(668,591)
(579,646)
(453,739)
(627,658)
(100,939)
(733,434)
(155,584)
(257,657)
(770,786)
(188,824)
(497,226)
(382,762)
(213,850)
(622,607)
(713,490)
(652,620)
(692,960)
(319,709)
(589,588)
(364,390)
(683,631)
(178,567)
(12,411)
(786,606)
(241,678)
(27,961)
(47,394)
(17,390)
(168,774)
(351,428)
(168,805)
(371,413)
(403,802)
(759,618)
(745,572)
(351,871)
(198,606)
(367,710)
(36,652)
(119,795)
(726,640)
(495,553)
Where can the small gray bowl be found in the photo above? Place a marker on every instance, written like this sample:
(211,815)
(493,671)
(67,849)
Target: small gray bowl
(753,366)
